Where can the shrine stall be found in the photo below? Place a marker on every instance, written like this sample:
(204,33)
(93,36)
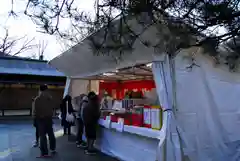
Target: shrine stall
(131,115)
(191,114)
(133,118)
(204,118)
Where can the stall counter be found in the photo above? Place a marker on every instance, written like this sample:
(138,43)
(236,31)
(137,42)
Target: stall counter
(141,131)
(130,144)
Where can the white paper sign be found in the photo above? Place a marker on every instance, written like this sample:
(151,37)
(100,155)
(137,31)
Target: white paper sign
(117,105)
(108,122)
(120,126)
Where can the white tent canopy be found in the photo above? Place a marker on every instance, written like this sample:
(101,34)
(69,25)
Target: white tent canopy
(80,62)
(204,126)
(137,72)
(207,102)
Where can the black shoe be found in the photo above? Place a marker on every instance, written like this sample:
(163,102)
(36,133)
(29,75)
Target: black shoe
(44,156)
(90,152)
(53,152)
(82,145)
(35,144)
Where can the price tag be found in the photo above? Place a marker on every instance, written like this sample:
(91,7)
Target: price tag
(108,122)
(120,127)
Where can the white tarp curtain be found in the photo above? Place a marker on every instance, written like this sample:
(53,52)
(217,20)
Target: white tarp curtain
(169,145)
(94,86)
(79,86)
(76,87)
(208,110)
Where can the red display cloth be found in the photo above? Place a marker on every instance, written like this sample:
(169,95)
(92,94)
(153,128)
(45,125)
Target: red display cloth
(137,119)
(121,87)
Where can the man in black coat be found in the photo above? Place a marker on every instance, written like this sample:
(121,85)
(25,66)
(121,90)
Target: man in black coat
(43,111)
(91,114)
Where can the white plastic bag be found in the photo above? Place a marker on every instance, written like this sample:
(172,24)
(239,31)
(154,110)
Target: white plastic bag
(69,117)
(60,116)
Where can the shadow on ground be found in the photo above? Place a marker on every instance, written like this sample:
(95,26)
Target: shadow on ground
(67,151)
(16,138)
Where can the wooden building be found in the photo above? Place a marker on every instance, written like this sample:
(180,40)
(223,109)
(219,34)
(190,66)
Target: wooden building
(20,79)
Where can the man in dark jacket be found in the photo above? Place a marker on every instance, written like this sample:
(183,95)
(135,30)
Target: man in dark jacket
(43,111)
(91,114)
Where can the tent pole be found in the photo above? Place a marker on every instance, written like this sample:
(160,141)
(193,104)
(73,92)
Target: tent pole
(89,86)
(67,88)
(174,103)
(173,78)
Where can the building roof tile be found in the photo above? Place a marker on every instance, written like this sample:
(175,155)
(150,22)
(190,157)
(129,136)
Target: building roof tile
(26,66)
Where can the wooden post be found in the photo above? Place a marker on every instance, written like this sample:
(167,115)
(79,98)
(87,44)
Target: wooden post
(89,86)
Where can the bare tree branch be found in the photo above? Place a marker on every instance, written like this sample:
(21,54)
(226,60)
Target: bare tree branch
(15,46)
(27,45)
(177,22)
(42,45)
(42,48)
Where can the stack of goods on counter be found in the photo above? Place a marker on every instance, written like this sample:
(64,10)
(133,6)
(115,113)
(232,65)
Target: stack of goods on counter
(132,94)
(152,117)
(118,111)
(107,102)
(137,116)
(135,110)
(156,117)
(106,106)
(147,116)
(128,104)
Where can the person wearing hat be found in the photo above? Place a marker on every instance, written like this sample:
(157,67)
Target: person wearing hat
(43,112)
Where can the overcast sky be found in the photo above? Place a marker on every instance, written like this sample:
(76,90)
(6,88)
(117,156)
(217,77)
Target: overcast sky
(22,25)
